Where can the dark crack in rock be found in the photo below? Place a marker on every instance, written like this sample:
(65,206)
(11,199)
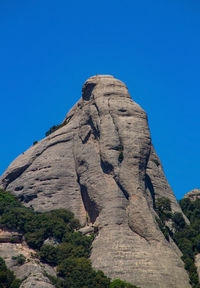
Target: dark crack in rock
(102,165)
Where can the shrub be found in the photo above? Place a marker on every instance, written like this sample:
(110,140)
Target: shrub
(121,284)
(20,259)
(163,208)
(48,254)
(73,249)
(164,229)
(121,156)
(56,127)
(7,278)
(178,221)
(79,273)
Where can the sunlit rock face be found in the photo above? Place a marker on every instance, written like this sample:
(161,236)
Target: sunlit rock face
(102,166)
(193,194)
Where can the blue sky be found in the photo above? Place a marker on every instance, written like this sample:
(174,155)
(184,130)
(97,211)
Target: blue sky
(49,48)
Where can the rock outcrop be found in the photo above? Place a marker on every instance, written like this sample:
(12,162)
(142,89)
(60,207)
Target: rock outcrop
(31,272)
(197,264)
(10,237)
(102,166)
(193,194)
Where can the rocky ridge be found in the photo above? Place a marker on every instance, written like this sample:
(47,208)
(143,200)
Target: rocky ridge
(102,166)
(193,194)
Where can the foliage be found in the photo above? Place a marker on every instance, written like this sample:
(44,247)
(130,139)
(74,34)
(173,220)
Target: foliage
(164,228)
(73,249)
(56,127)
(52,129)
(48,254)
(163,209)
(187,237)
(117,283)
(36,227)
(7,278)
(78,272)
(20,259)
(120,148)
(178,221)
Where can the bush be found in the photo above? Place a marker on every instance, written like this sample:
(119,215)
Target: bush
(73,249)
(187,237)
(79,273)
(56,127)
(20,259)
(163,209)
(121,284)
(48,254)
(7,278)
(164,229)
(186,247)
(178,221)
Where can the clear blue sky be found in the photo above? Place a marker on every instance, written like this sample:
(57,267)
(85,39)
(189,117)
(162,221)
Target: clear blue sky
(49,48)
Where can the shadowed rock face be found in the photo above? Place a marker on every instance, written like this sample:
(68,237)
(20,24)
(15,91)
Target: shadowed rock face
(102,165)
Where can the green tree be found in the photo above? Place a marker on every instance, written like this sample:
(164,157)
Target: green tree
(178,221)
(7,278)
(163,208)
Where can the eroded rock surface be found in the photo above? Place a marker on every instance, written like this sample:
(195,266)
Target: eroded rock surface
(193,194)
(32,272)
(102,166)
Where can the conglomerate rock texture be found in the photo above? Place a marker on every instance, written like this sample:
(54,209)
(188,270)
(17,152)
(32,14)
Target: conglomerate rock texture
(102,166)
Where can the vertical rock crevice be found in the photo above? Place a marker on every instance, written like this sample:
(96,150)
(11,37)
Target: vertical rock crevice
(90,206)
(149,186)
(88,175)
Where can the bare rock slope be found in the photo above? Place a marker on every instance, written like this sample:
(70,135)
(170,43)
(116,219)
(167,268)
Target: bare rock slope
(102,166)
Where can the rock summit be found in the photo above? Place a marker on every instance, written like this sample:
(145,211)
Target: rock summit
(102,166)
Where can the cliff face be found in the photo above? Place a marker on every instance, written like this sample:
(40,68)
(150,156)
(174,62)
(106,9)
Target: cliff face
(102,166)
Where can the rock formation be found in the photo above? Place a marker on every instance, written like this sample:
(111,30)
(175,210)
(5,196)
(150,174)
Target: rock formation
(193,194)
(31,271)
(102,166)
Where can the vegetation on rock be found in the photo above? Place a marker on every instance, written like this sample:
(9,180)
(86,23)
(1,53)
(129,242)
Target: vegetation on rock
(187,237)
(163,209)
(121,284)
(7,278)
(20,259)
(70,254)
(56,127)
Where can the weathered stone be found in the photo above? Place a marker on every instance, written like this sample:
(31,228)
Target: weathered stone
(193,194)
(87,230)
(32,270)
(197,264)
(13,237)
(52,242)
(102,166)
